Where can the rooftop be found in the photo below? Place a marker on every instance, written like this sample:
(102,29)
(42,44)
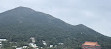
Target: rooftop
(91,43)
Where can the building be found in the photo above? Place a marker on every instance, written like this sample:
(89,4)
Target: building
(19,48)
(3,40)
(33,39)
(91,45)
(51,46)
(44,42)
(0,45)
(24,46)
(33,45)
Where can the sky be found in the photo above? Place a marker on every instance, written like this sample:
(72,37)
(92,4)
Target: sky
(95,14)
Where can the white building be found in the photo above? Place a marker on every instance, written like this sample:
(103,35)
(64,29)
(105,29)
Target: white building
(44,42)
(3,40)
(33,39)
(0,45)
(60,43)
(25,46)
(51,46)
(19,48)
(33,45)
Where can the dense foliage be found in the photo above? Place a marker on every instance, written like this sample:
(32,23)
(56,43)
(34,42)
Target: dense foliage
(21,23)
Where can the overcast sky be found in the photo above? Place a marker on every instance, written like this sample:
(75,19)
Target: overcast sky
(95,14)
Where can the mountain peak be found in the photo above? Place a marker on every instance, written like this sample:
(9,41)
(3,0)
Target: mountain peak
(21,10)
(22,7)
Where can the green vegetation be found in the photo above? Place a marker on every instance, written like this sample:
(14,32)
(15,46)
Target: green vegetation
(19,24)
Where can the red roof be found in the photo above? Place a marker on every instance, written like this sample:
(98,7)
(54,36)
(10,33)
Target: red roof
(91,43)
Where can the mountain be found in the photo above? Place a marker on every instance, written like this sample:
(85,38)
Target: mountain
(21,23)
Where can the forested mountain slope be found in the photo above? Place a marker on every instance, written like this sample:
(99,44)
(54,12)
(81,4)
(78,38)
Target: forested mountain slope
(21,23)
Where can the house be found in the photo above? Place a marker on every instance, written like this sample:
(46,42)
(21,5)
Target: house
(33,45)
(51,46)
(60,43)
(19,48)
(24,46)
(33,39)
(44,42)
(3,40)
(91,45)
(0,45)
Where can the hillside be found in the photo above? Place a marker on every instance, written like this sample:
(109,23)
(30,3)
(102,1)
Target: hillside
(21,23)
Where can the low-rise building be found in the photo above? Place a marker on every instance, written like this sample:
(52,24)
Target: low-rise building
(19,48)
(3,40)
(91,45)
